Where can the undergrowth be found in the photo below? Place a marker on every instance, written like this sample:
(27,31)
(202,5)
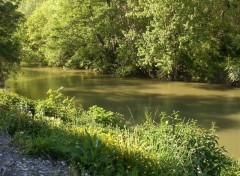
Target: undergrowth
(98,142)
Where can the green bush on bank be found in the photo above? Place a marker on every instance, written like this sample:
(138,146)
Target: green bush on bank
(97,142)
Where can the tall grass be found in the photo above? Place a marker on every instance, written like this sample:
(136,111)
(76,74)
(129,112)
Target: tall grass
(98,142)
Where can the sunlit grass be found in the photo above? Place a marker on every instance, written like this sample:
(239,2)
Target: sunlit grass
(98,142)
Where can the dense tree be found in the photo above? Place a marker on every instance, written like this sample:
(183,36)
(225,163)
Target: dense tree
(178,40)
(28,6)
(9,46)
(230,39)
(185,38)
(35,31)
(79,34)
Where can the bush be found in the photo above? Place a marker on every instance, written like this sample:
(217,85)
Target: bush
(106,118)
(57,106)
(93,142)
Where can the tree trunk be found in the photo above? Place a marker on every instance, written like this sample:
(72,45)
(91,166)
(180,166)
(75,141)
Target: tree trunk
(174,72)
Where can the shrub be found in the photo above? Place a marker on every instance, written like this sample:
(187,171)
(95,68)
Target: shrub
(93,142)
(57,106)
(106,118)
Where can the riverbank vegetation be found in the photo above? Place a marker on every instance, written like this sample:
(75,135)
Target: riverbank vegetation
(185,40)
(9,42)
(178,40)
(100,142)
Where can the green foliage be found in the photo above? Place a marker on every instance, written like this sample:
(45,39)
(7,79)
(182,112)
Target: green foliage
(171,147)
(106,118)
(173,138)
(35,31)
(57,106)
(12,101)
(232,169)
(90,152)
(233,72)
(18,115)
(44,145)
(178,40)
(27,7)
(9,45)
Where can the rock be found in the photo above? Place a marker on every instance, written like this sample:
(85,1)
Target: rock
(3,170)
(13,163)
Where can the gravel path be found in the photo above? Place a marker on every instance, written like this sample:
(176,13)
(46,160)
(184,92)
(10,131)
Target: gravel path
(14,163)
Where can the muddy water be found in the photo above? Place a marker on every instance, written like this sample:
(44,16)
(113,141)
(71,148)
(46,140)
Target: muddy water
(131,97)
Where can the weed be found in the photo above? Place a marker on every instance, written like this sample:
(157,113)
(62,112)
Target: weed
(97,142)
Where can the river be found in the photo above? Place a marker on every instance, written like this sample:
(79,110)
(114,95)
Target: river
(206,103)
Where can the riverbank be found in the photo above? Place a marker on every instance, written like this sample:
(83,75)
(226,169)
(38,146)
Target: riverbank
(205,103)
(96,141)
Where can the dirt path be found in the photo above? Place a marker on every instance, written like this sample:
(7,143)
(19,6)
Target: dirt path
(14,163)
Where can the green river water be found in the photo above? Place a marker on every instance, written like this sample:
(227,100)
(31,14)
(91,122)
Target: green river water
(204,102)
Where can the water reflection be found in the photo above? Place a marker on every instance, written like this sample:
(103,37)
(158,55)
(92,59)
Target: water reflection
(204,102)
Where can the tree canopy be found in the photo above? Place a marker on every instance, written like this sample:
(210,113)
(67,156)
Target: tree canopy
(177,40)
(9,45)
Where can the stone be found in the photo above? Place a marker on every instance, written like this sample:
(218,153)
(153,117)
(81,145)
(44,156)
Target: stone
(14,163)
